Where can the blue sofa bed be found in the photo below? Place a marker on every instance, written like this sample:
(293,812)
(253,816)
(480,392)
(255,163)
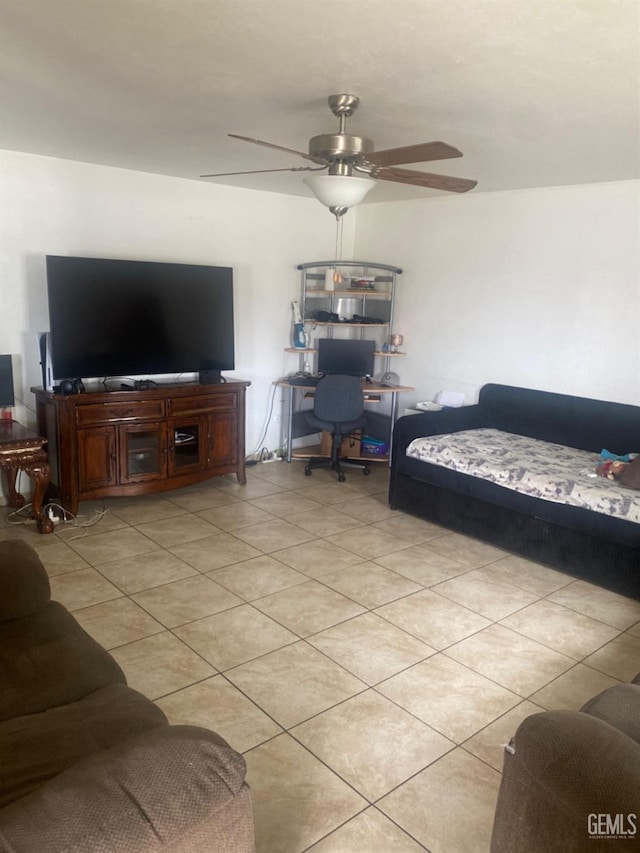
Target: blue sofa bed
(594,546)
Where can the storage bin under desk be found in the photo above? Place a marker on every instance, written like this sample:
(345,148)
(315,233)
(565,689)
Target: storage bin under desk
(350,444)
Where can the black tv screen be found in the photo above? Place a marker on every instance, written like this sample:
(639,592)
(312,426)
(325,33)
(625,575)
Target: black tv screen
(351,357)
(131,318)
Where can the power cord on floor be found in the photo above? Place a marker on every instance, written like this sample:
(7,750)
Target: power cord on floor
(75,522)
(20,516)
(59,516)
(56,513)
(265,455)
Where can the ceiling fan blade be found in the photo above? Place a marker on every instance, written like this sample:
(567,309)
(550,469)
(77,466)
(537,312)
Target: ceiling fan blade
(414,154)
(260,171)
(425,179)
(277,147)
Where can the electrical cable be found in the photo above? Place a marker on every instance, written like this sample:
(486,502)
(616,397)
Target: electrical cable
(20,516)
(23,516)
(76,522)
(260,453)
(22,403)
(265,428)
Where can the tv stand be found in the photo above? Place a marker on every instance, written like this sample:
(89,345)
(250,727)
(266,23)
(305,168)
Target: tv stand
(141,441)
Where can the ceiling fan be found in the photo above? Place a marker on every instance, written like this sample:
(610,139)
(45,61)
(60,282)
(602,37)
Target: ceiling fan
(344,155)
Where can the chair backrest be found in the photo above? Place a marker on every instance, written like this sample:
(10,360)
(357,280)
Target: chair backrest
(338,398)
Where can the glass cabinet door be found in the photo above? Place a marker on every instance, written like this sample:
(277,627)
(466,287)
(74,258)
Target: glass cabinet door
(187,442)
(143,452)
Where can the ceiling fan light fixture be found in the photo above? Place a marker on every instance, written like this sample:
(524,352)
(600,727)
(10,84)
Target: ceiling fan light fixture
(339,190)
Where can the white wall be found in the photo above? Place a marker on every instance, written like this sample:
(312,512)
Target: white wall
(51,206)
(538,288)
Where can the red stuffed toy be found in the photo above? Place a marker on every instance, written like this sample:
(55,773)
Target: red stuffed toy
(612,469)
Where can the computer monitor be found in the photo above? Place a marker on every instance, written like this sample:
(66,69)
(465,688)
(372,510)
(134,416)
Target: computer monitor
(350,357)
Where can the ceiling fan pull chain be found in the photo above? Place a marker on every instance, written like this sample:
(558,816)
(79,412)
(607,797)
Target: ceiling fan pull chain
(337,275)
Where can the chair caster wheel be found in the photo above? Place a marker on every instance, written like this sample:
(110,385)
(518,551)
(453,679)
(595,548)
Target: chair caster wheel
(307,471)
(365,471)
(341,478)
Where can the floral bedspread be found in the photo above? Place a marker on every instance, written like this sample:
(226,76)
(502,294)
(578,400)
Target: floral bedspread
(536,468)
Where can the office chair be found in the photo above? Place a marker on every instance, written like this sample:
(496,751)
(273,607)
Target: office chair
(338,408)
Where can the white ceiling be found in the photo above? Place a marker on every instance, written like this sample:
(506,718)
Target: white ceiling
(534,92)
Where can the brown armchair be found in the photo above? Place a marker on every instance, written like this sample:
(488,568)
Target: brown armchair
(571,779)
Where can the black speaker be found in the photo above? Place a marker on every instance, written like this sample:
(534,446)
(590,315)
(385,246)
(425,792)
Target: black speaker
(71,386)
(6,382)
(210,377)
(44,345)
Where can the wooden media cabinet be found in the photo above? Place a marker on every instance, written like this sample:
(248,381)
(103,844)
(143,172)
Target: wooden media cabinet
(119,443)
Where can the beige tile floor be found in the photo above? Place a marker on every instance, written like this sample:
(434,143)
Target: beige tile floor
(368,665)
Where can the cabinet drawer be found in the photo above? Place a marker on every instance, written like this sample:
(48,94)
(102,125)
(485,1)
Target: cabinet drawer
(226,401)
(103,413)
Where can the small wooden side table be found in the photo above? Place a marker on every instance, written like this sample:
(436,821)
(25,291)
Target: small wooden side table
(23,450)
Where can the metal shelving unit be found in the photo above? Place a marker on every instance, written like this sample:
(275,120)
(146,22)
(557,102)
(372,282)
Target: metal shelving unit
(374,302)
(373,299)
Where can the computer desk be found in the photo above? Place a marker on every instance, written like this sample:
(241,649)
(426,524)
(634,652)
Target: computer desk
(373,392)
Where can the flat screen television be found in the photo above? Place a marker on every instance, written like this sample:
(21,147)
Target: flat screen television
(351,357)
(136,318)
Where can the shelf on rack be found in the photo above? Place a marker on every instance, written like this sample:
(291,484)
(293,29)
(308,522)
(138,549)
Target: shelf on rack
(345,324)
(350,293)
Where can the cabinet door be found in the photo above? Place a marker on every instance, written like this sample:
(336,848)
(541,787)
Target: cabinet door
(143,452)
(223,439)
(96,458)
(187,444)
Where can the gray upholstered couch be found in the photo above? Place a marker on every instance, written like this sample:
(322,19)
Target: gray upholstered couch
(571,779)
(88,764)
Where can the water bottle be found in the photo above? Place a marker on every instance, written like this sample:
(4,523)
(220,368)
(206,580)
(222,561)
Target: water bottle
(299,336)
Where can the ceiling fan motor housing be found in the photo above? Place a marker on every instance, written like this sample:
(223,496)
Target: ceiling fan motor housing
(339,145)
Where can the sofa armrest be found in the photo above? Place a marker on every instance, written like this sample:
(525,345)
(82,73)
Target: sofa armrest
(178,789)
(435,423)
(566,768)
(619,706)
(24,583)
